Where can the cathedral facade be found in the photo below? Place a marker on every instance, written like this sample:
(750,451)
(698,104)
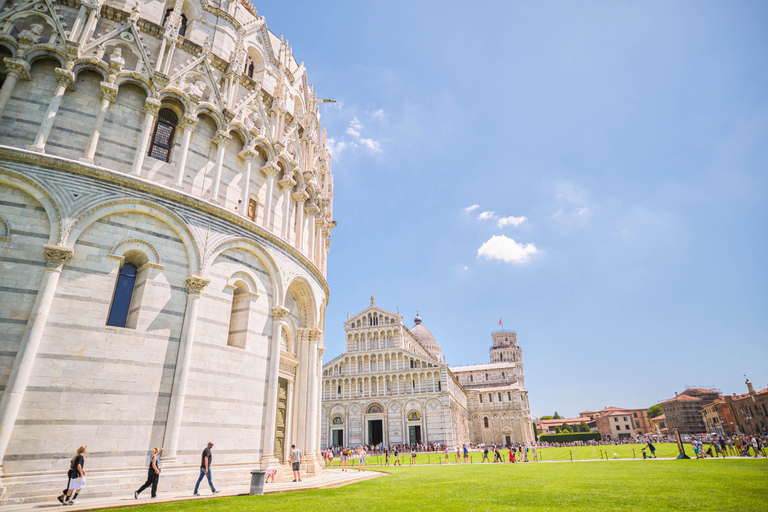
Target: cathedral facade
(392,386)
(166,203)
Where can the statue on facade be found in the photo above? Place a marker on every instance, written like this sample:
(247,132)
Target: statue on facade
(31,35)
(116,60)
(196,89)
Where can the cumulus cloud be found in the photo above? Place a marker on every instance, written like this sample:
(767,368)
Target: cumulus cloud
(371,144)
(377,113)
(470,209)
(512,221)
(355,140)
(486,216)
(335,148)
(500,247)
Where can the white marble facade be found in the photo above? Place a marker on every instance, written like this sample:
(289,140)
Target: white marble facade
(392,386)
(183,140)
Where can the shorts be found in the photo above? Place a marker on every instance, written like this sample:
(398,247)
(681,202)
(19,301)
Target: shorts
(362,460)
(76,484)
(345,459)
(295,466)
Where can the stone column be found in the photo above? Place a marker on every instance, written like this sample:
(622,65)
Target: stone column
(65,81)
(56,257)
(221,140)
(151,107)
(90,24)
(300,199)
(286,184)
(312,418)
(16,69)
(247,155)
(289,418)
(78,23)
(187,126)
(269,170)
(195,285)
(301,383)
(270,410)
(107,95)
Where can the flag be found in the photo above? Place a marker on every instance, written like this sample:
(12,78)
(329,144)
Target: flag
(499,321)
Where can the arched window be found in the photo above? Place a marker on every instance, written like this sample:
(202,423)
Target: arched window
(183,27)
(162,139)
(485,421)
(471,379)
(499,397)
(503,376)
(121,301)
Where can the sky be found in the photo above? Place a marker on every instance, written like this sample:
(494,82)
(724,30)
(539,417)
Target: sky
(591,173)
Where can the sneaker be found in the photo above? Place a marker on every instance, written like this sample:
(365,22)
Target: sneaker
(216,492)
(136,495)
(294,479)
(61,499)
(299,479)
(196,494)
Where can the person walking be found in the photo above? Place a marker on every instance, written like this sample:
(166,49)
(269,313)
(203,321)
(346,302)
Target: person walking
(76,476)
(485,455)
(344,458)
(205,470)
(466,453)
(153,474)
(447,459)
(295,461)
(397,457)
(650,446)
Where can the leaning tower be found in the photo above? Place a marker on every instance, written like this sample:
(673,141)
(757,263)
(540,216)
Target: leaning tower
(505,350)
(166,204)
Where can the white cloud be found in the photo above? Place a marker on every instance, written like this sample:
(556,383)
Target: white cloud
(470,209)
(354,123)
(354,130)
(371,144)
(499,247)
(466,267)
(512,221)
(378,113)
(335,148)
(486,216)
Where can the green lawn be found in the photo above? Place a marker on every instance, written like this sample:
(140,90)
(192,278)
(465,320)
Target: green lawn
(717,485)
(623,451)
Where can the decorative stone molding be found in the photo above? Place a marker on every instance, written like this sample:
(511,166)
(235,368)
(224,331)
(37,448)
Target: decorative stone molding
(278,313)
(152,107)
(108,91)
(195,284)
(270,169)
(286,182)
(65,78)
(18,68)
(221,139)
(300,197)
(138,244)
(56,256)
(287,368)
(188,122)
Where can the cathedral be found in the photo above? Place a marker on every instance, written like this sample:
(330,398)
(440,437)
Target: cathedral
(392,386)
(166,207)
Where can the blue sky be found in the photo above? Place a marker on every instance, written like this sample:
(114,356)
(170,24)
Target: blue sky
(594,173)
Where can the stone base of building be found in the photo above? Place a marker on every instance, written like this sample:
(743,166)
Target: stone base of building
(45,486)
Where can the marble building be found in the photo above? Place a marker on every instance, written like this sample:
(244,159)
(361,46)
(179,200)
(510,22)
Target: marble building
(166,204)
(392,386)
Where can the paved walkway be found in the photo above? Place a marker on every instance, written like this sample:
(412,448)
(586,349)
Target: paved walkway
(330,478)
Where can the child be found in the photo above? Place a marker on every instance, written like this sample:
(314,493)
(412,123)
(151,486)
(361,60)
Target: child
(271,472)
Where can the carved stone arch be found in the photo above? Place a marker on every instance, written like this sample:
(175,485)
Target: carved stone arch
(39,52)
(192,10)
(137,80)
(302,290)
(97,66)
(245,276)
(266,147)
(263,256)
(10,44)
(205,109)
(5,230)
(177,96)
(240,129)
(41,195)
(374,407)
(83,219)
(286,339)
(136,244)
(47,15)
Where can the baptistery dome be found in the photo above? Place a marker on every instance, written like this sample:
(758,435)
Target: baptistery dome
(166,205)
(426,338)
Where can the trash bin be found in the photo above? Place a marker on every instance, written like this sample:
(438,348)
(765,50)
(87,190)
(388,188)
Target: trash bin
(257,482)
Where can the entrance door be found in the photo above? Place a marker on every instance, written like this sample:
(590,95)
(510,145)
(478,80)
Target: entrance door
(508,440)
(414,434)
(375,431)
(338,437)
(282,401)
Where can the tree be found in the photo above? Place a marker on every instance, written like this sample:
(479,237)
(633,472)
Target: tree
(655,410)
(535,431)
(546,418)
(557,416)
(557,430)
(565,428)
(583,427)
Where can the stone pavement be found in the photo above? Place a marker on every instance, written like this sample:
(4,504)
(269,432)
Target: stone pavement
(330,478)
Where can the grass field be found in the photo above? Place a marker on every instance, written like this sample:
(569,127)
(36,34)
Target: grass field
(695,485)
(623,451)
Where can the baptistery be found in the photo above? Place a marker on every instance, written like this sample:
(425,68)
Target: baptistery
(166,204)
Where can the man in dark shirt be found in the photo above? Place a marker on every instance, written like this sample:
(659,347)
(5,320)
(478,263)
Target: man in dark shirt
(205,469)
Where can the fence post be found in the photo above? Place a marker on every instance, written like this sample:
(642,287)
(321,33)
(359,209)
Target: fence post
(633,453)
(569,451)
(429,458)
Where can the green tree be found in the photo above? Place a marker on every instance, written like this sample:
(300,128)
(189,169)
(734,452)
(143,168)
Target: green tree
(535,431)
(546,418)
(654,410)
(557,416)
(557,430)
(565,428)
(583,427)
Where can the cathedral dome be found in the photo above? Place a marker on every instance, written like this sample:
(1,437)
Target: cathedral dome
(426,338)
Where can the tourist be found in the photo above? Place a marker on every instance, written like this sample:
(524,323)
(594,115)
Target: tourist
(397,456)
(447,459)
(755,446)
(344,458)
(271,472)
(496,454)
(413,455)
(485,455)
(205,470)
(386,457)
(361,459)
(330,457)
(458,454)
(295,460)
(525,452)
(652,448)
(76,476)
(534,453)
(466,453)
(153,474)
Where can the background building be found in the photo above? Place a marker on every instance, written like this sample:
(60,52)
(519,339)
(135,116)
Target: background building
(749,411)
(165,215)
(683,412)
(392,386)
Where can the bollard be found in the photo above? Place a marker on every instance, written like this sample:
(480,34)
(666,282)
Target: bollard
(633,453)
(429,458)
(257,482)
(569,451)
